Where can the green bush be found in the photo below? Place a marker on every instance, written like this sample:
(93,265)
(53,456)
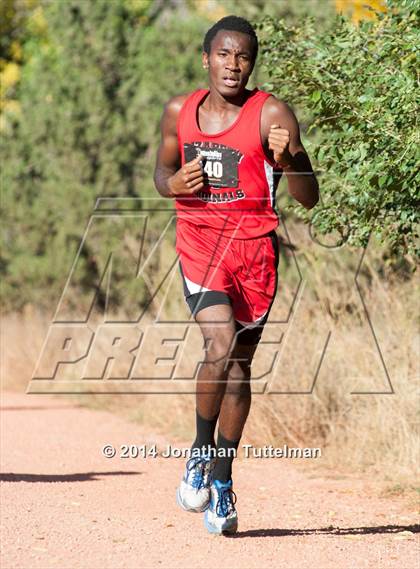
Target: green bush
(91,95)
(358,83)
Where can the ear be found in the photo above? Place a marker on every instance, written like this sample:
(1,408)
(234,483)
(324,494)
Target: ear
(205,60)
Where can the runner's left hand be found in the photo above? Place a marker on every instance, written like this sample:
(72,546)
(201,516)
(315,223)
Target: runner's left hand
(278,142)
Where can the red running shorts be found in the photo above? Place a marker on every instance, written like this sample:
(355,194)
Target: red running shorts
(221,270)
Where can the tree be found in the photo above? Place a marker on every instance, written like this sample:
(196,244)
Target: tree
(359,85)
(91,94)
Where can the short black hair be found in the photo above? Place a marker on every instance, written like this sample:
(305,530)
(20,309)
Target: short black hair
(234,24)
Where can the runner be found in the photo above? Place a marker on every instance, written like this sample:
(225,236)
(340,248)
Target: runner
(218,151)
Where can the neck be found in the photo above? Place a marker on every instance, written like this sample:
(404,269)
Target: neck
(218,102)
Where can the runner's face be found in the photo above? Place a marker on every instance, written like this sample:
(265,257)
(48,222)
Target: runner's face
(230,62)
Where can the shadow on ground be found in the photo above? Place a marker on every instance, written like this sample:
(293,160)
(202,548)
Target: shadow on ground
(330,530)
(81,477)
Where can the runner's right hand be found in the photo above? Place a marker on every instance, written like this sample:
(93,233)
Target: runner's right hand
(188,179)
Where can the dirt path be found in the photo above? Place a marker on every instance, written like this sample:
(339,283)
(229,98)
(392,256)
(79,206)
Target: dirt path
(64,505)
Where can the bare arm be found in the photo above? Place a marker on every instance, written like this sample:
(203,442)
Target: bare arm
(281,139)
(170,179)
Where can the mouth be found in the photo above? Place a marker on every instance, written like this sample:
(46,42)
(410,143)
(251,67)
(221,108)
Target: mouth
(231,81)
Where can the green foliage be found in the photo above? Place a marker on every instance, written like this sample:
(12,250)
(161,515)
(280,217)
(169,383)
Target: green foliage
(91,96)
(359,84)
(13,19)
(291,12)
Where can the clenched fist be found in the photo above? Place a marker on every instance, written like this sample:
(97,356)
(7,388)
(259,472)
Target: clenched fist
(278,142)
(188,179)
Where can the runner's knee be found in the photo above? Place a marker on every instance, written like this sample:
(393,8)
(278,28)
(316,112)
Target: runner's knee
(238,389)
(218,349)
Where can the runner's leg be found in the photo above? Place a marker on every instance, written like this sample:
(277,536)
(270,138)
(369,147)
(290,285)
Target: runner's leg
(234,409)
(218,329)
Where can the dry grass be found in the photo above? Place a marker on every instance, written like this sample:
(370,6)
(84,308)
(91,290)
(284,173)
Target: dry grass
(374,431)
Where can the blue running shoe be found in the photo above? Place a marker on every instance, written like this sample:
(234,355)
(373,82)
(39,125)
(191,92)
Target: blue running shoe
(221,516)
(193,494)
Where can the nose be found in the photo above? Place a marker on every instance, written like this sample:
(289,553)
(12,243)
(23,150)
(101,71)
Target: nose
(232,63)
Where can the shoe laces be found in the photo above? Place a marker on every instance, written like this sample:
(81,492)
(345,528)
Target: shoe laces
(226,502)
(198,467)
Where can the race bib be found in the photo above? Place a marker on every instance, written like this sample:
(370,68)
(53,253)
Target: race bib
(220,163)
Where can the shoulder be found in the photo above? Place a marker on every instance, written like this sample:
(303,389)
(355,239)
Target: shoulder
(171,112)
(275,109)
(174,105)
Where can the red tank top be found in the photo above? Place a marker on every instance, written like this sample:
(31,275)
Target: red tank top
(238,198)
